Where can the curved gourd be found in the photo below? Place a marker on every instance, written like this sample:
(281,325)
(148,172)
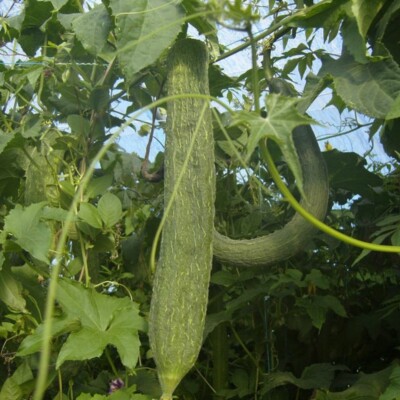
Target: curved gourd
(296,234)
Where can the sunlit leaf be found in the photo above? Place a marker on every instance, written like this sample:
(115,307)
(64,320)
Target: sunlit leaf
(371,88)
(365,12)
(89,213)
(110,209)
(78,124)
(4,140)
(353,42)
(326,14)
(33,343)
(98,186)
(278,126)
(144,28)
(57,4)
(105,320)
(92,29)
(29,231)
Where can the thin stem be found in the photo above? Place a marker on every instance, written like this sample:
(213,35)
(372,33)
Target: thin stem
(256,86)
(60,389)
(246,350)
(314,221)
(111,362)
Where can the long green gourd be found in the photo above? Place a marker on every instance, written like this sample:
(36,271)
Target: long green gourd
(180,290)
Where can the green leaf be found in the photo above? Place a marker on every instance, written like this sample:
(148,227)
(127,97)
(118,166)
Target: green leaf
(317,313)
(105,321)
(55,214)
(78,125)
(87,396)
(11,291)
(99,98)
(144,28)
(57,4)
(317,308)
(110,209)
(29,232)
(371,88)
(13,388)
(313,376)
(353,41)
(92,29)
(32,126)
(326,14)
(347,171)
(367,387)
(282,118)
(98,186)
(317,278)
(394,110)
(365,12)
(89,213)
(33,343)
(393,390)
(82,345)
(4,139)
(332,303)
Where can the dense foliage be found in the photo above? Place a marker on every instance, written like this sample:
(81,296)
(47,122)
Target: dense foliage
(79,213)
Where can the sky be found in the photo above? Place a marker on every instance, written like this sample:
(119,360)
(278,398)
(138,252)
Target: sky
(328,117)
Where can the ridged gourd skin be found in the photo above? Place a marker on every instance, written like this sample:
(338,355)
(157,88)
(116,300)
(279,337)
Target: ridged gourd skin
(181,281)
(297,233)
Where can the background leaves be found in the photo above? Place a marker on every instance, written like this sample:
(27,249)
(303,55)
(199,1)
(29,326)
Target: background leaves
(323,324)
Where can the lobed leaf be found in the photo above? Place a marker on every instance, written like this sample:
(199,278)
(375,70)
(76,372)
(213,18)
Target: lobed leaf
(29,231)
(105,320)
(372,88)
(282,118)
(92,29)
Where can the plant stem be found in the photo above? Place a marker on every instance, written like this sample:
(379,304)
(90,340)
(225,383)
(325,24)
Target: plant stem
(314,221)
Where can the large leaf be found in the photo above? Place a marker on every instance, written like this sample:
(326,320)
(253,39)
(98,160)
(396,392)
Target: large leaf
(282,118)
(144,28)
(347,171)
(33,343)
(369,387)
(326,14)
(4,139)
(317,308)
(315,376)
(110,209)
(105,320)
(89,213)
(15,387)
(29,231)
(365,12)
(92,29)
(372,88)
(11,291)
(393,390)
